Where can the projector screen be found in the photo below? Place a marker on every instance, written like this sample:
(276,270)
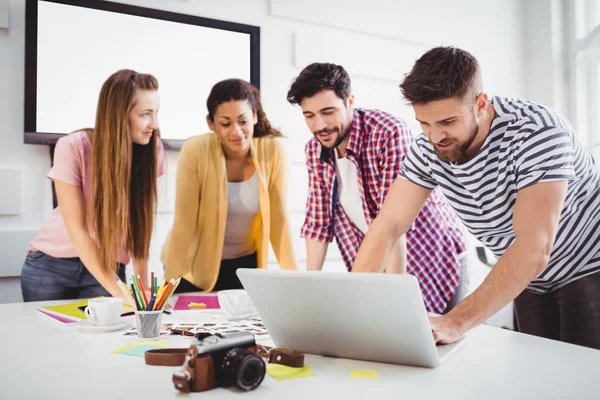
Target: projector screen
(73,46)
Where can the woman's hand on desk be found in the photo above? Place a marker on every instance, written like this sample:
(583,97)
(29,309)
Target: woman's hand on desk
(444,329)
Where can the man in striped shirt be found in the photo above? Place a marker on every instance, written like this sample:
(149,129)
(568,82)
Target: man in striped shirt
(352,161)
(521,182)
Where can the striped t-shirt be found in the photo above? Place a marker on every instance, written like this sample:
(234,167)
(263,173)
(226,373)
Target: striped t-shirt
(527,144)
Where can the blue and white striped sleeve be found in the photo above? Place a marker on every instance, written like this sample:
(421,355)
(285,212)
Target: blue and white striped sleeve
(415,167)
(545,155)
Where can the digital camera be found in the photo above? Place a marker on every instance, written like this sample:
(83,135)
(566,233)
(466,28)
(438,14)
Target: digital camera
(221,360)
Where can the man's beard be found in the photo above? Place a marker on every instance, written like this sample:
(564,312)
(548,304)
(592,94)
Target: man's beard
(340,137)
(457,152)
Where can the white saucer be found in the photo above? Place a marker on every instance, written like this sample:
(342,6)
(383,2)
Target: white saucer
(87,325)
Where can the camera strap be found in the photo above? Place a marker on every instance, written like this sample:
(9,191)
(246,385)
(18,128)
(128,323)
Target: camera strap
(165,357)
(273,355)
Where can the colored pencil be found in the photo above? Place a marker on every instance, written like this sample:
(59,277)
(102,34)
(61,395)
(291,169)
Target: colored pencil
(175,284)
(152,283)
(168,297)
(164,294)
(139,294)
(123,284)
(119,284)
(124,289)
(151,302)
(135,299)
(158,296)
(143,290)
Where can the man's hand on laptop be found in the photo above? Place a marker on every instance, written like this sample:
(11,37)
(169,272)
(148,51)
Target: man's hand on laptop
(445,330)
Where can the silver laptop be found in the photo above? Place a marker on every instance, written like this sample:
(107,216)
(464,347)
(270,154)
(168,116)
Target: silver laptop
(373,317)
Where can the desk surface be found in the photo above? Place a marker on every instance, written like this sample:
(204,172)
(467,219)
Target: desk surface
(41,360)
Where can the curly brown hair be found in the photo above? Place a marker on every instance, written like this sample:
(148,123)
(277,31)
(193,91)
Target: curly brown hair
(236,90)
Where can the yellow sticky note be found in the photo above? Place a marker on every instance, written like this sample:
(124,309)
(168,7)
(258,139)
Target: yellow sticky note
(157,343)
(283,372)
(363,374)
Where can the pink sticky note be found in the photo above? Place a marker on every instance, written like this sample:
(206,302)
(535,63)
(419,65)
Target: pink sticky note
(211,301)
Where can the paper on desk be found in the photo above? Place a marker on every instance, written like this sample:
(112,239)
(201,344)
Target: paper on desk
(71,310)
(132,346)
(363,374)
(283,372)
(56,317)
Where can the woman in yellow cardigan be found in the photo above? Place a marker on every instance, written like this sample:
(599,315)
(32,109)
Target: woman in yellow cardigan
(231,195)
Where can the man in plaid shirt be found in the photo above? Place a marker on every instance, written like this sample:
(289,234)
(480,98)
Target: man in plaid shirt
(352,161)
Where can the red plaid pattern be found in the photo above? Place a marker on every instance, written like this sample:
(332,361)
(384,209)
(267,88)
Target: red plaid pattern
(378,142)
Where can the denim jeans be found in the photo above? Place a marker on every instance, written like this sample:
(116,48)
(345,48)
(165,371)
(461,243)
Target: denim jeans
(49,278)
(570,314)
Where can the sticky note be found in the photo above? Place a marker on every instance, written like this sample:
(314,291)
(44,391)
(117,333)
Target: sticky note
(154,344)
(283,372)
(363,374)
(211,301)
(139,351)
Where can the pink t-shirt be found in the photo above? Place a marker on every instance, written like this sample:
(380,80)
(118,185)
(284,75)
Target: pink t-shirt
(72,165)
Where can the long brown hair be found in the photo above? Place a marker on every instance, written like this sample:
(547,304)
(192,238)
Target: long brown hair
(236,90)
(123,196)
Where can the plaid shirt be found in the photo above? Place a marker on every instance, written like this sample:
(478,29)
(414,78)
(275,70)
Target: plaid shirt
(378,141)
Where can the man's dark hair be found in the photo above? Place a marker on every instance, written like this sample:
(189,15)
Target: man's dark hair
(442,73)
(317,77)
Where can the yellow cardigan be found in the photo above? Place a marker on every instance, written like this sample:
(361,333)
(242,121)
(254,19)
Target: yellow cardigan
(194,246)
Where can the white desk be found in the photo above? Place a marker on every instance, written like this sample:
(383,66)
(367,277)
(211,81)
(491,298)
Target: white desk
(40,360)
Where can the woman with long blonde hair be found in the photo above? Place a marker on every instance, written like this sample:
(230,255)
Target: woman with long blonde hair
(105,180)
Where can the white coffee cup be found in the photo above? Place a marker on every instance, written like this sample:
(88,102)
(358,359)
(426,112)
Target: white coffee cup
(235,303)
(104,311)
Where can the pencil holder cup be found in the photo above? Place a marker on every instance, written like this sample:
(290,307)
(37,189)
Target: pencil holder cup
(147,324)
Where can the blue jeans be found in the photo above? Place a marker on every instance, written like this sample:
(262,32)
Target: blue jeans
(49,278)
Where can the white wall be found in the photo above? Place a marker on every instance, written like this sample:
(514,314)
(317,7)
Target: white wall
(544,61)
(376,41)
(31,191)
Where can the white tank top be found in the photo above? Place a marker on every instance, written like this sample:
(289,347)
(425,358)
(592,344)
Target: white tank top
(349,193)
(243,205)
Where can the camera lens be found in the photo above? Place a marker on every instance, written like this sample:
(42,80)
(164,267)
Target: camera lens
(243,369)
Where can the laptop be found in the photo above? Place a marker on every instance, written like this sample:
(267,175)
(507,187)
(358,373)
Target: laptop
(368,316)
